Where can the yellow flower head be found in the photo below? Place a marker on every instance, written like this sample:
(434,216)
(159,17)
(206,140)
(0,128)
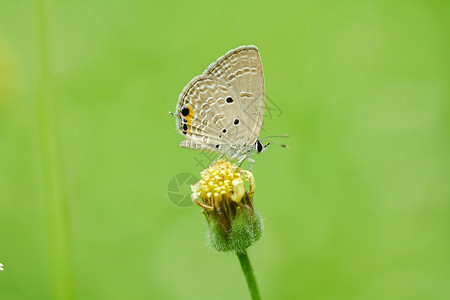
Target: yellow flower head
(228,206)
(222,182)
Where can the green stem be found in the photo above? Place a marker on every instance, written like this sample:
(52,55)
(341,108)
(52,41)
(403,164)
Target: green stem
(249,276)
(53,193)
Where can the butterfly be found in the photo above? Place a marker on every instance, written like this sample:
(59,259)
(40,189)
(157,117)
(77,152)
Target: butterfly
(222,110)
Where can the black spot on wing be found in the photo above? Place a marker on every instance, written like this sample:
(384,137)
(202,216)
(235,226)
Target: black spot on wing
(185,111)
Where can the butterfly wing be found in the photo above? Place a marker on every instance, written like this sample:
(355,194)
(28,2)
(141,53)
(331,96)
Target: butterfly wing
(241,69)
(209,115)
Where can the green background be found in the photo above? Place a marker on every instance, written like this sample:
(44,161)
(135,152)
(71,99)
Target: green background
(357,208)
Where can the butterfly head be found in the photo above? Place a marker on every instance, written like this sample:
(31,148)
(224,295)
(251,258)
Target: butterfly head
(260,147)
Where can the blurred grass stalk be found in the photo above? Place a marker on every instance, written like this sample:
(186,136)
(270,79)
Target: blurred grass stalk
(53,194)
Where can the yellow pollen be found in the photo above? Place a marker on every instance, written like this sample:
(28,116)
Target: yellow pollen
(222,181)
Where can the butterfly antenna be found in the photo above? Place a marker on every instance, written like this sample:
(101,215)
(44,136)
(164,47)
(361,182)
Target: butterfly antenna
(172,114)
(271,136)
(272,141)
(279,144)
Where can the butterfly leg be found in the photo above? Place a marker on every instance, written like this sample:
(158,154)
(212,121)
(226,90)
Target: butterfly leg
(252,162)
(243,158)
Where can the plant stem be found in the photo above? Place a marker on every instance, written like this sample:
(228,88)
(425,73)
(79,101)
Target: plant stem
(249,276)
(53,192)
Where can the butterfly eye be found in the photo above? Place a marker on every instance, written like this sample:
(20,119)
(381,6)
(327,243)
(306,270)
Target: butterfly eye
(259,146)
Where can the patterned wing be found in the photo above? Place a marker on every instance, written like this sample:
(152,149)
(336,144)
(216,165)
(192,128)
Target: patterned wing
(241,69)
(209,115)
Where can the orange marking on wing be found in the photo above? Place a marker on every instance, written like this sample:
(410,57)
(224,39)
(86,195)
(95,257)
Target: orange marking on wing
(190,116)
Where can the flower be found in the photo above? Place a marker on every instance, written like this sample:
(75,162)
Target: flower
(233,222)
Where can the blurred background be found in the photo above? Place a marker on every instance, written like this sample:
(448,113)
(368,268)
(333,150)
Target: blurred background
(357,208)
